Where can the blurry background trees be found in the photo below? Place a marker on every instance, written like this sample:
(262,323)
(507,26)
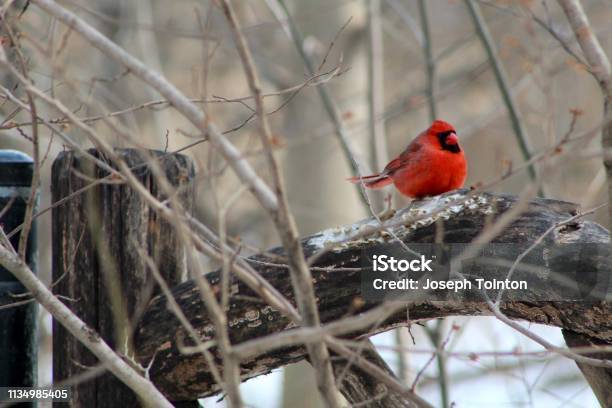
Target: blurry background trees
(189,42)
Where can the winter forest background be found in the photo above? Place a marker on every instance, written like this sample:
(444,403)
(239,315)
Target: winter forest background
(377,72)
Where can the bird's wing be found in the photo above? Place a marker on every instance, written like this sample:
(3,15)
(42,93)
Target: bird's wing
(404,158)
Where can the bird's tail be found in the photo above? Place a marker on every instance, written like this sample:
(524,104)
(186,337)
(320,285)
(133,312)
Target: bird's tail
(373,181)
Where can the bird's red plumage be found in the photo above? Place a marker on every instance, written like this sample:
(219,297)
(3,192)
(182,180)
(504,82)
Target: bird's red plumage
(432,164)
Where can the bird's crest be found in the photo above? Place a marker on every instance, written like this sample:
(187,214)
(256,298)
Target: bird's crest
(439,126)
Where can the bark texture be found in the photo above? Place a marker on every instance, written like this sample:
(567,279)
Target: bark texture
(599,378)
(460,215)
(96,263)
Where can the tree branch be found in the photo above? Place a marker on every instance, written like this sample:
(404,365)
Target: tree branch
(342,308)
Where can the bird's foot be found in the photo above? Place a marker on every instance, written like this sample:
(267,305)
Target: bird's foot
(386,214)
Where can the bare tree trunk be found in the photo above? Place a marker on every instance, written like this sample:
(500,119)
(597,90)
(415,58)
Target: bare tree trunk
(600,379)
(600,68)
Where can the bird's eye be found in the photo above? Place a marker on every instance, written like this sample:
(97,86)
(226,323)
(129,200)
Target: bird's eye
(448,141)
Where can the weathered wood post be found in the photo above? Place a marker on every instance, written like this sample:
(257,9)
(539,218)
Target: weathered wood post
(18,344)
(97,267)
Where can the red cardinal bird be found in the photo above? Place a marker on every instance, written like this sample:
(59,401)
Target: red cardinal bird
(432,164)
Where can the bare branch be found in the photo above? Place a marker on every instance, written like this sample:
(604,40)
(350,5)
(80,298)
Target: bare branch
(88,337)
(592,49)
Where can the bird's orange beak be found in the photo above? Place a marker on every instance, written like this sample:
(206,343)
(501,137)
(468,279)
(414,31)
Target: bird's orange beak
(452,139)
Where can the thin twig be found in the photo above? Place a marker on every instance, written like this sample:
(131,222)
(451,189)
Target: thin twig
(545,343)
(546,25)
(440,345)
(315,80)
(477,354)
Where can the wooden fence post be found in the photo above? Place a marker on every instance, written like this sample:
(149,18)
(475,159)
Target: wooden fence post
(18,334)
(97,235)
